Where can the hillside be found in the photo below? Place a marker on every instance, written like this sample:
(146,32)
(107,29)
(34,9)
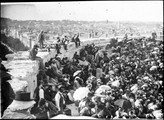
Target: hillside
(71,27)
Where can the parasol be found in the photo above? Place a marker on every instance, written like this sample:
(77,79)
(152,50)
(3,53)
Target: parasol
(105,87)
(80,93)
(151,106)
(99,92)
(102,89)
(158,114)
(76,73)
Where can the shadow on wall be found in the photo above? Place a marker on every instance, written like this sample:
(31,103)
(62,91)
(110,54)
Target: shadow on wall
(13,43)
(10,45)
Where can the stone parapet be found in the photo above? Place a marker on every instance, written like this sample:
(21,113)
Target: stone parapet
(23,69)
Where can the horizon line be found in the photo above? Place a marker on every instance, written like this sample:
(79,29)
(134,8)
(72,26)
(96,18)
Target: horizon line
(83,20)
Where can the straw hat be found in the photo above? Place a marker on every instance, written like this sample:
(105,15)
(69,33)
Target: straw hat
(22,101)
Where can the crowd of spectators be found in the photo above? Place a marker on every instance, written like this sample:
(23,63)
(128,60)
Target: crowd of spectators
(130,69)
(133,70)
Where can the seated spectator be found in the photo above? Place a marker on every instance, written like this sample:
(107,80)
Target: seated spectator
(33,56)
(45,110)
(55,71)
(86,111)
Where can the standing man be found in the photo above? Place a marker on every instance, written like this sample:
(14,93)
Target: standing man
(59,99)
(77,41)
(74,39)
(41,38)
(58,46)
(65,42)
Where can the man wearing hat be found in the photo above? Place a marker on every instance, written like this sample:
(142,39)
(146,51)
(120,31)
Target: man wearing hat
(77,41)
(65,42)
(33,53)
(59,99)
(20,107)
(54,69)
(58,46)
(41,39)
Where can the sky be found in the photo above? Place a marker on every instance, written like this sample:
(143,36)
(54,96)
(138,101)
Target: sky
(145,11)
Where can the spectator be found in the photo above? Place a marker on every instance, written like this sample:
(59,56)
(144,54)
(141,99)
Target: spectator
(59,99)
(33,56)
(77,41)
(41,39)
(86,111)
(58,45)
(20,107)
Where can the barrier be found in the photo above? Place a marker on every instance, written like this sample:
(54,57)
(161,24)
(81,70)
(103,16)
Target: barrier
(23,69)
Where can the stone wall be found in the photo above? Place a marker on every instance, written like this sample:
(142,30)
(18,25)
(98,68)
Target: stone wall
(24,71)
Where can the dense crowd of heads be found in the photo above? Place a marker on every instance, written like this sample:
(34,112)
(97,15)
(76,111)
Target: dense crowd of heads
(132,68)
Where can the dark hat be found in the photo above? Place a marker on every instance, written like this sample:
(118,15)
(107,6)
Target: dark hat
(36,46)
(22,96)
(22,101)
(105,53)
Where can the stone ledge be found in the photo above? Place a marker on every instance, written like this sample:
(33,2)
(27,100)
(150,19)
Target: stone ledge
(23,69)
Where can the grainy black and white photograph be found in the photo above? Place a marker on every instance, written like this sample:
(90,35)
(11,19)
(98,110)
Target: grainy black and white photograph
(82,60)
